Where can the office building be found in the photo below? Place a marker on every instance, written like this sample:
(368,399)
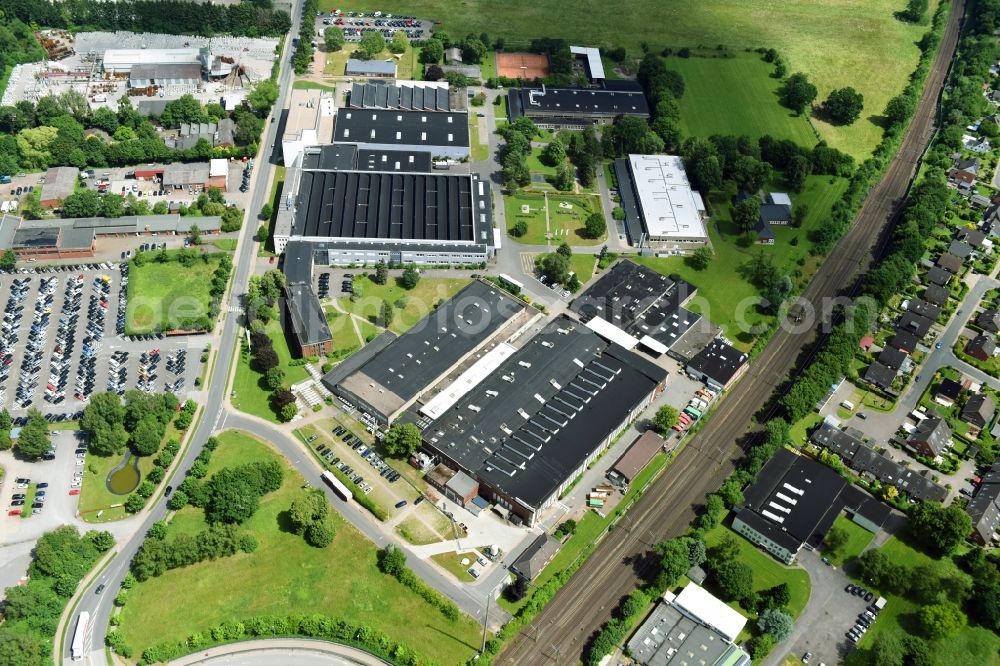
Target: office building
(661,209)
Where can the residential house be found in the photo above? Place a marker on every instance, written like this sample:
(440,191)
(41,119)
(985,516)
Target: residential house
(892,358)
(936,294)
(980,201)
(904,341)
(979,410)
(989,320)
(975,144)
(982,347)
(964,170)
(932,437)
(947,392)
(381,69)
(914,323)
(938,276)
(950,263)
(880,376)
(960,249)
(923,308)
(984,509)
(535,557)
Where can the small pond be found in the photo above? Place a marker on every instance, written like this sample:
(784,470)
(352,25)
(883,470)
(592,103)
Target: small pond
(125,478)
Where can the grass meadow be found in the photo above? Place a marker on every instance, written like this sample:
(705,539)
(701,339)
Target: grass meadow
(341,580)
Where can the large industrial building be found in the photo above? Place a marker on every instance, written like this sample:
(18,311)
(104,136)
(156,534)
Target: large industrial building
(794,502)
(533,421)
(408,96)
(661,210)
(363,215)
(637,307)
(444,134)
(308,122)
(575,107)
(387,382)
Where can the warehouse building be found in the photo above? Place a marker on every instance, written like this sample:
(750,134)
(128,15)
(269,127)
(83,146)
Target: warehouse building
(67,238)
(661,210)
(396,377)
(361,217)
(693,627)
(441,133)
(407,96)
(639,307)
(574,108)
(145,75)
(349,157)
(533,424)
(794,502)
(375,69)
(123,61)
(635,459)
(308,122)
(304,313)
(718,365)
(60,182)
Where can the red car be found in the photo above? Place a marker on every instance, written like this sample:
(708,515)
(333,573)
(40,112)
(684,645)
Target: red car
(14,512)
(74,491)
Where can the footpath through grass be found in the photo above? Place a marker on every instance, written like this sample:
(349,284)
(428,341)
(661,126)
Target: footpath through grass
(416,303)
(287,576)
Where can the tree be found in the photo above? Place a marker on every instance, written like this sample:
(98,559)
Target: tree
(265,212)
(734,579)
(565,250)
(595,226)
(306,510)
(134,503)
(836,538)
(942,529)
(746,214)
(700,258)
(843,106)
(797,93)
(799,168)
(8,259)
(320,533)
(675,560)
(146,437)
(776,622)
(274,377)
(564,178)
(473,49)
(402,440)
(33,441)
(554,266)
(410,277)
(887,650)
(777,597)
(195,234)
(899,109)
(432,52)
(519,229)
(385,314)
(915,12)
(761,646)
(391,560)
(381,275)
(665,419)
(554,153)
(433,73)
(333,37)
(941,620)
(103,541)
(399,42)
(288,412)
(262,96)
(18,647)
(371,44)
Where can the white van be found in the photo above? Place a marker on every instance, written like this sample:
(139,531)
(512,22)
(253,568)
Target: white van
(848,405)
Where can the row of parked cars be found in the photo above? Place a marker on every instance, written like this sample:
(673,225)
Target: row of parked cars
(697,406)
(12,316)
(31,361)
(62,354)
(122,301)
(19,499)
(330,456)
(368,454)
(97,309)
(867,618)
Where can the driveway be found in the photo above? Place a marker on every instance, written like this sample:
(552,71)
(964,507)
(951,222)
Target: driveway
(830,612)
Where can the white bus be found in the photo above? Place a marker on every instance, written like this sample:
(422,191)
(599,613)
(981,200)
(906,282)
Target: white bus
(339,488)
(508,280)
(80,635)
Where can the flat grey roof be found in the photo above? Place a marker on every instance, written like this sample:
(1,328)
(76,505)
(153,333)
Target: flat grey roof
(576,102)
(378,67)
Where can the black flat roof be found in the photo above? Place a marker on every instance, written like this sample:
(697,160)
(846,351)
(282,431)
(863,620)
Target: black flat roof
(298,262)
(34,237)
(349,157)
(718,361)
(796,494)
(395,127)
(629,202)
(529,425)
(375,205)
(639,301)
(433,345)
(576,102)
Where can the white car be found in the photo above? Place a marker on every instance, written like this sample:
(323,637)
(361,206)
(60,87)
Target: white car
(80,461)
(76,484)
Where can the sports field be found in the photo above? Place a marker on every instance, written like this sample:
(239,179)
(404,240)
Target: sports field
(837,42)
(341,580)
(736,96)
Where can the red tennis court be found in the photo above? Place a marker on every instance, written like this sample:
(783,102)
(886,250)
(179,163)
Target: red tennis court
(522,65)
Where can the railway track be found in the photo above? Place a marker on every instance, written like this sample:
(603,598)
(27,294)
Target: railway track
(559,633)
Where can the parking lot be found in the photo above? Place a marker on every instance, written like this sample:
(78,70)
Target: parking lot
(46,491)
(60,342)
(356,24)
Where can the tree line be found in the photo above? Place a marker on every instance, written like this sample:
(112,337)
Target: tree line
(263,295)
(171,17)
(392,561)
(302,58)
(60,560)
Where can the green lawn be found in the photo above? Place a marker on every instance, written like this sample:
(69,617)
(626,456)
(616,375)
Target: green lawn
(419,301)
(415,532)
(535,164)
(480,151)
(452,563)
(837,43)
(344,336)
(225,244)
(724,296)
(736,96)
(312,85)
(535,217)
(566,224)
(164,295)
(249,392)
(583,266)
(971,645)
(767,572)
(285,575)
(797,434)
(857,540)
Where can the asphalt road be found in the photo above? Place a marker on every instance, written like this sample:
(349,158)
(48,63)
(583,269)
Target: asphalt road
(100,606)
(560,632)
